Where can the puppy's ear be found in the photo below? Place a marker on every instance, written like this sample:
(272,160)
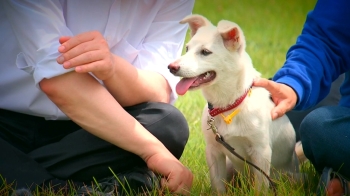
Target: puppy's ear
(232,35)
(195,21)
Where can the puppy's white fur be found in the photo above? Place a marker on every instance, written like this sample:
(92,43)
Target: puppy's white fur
(268,144)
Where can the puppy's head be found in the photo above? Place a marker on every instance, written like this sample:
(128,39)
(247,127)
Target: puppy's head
(211,55)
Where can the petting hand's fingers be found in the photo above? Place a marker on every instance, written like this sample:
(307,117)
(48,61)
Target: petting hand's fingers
(279,110)
(269,85)
(282,95)
(78,39)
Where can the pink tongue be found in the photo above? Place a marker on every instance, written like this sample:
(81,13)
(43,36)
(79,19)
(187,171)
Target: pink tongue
(184,84)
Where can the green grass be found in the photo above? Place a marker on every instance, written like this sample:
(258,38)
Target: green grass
(270,28)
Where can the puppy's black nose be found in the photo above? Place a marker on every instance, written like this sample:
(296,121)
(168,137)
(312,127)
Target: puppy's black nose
(173,67)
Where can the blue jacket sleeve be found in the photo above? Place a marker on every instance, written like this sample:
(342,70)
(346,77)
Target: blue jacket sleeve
(321,53)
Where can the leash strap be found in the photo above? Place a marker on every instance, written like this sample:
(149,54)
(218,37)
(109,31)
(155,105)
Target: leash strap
(221,140)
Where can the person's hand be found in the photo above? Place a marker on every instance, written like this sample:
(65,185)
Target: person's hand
(87,52)
(175,176)
(282,95)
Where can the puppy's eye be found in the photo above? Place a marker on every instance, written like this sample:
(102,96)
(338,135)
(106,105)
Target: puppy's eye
(205,52)
(186,48)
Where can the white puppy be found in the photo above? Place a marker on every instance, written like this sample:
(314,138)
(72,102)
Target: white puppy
(216,62)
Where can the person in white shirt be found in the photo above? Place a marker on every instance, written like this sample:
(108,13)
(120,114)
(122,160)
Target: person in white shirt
(85,90)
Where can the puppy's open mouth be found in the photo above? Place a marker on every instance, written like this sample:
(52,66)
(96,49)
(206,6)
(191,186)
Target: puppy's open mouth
(188,83)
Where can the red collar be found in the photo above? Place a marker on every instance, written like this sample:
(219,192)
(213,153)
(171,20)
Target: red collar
(215,111)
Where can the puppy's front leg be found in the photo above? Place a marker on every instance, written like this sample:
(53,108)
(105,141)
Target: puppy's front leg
(216,161)
(261,157)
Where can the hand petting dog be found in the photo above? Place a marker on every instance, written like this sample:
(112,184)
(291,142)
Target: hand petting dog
(282,95)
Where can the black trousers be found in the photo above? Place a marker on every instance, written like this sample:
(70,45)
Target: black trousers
(34,150)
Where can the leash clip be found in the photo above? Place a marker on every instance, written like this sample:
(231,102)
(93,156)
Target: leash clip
(212,126)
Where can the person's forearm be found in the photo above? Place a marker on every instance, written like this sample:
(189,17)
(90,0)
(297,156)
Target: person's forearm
(130,86)
(91,106)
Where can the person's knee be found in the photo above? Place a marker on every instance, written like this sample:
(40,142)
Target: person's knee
(177,130)
(171,129)
(311,134)
(314,129)
(313,123)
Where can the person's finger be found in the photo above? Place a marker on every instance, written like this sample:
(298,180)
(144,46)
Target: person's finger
(279,110)
(78,39)
(82,59)
(179,183)
(63,39)
(94,67)
(170,183)
(179,189)
(164,184)
(83,48)
(282,95)
(269,85)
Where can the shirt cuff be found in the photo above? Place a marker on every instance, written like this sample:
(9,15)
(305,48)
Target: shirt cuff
(44,68)
(158,61)
(295,85)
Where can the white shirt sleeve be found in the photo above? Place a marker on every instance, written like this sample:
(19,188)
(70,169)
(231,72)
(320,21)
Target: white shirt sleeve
(164,41)
(37,26)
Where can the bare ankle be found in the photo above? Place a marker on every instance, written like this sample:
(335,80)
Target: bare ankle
(335,188)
